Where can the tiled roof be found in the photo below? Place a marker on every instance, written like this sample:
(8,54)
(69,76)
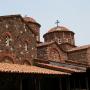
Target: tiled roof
(16,68)
(58,28)
(79,48)
(59,68)
(45,44)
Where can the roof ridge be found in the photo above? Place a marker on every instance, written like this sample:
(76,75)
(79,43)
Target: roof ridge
(80,47)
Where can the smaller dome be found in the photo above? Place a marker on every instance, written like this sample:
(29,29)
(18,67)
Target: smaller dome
(58,28)
(29,19)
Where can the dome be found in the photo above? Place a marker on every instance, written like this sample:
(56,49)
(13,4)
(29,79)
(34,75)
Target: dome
(58,28)
(29,19)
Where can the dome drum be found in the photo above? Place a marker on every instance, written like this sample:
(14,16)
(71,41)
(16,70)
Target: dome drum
(60,35)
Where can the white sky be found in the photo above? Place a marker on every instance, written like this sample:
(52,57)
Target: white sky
(74,14)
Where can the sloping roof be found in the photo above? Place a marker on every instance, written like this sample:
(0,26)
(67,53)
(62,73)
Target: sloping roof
(16,68)
(59,68)
(58,28)
(79,48)
(45,44)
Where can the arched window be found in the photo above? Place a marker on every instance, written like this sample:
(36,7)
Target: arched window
(26,46)
(54,55)
(8,38)
(59,41)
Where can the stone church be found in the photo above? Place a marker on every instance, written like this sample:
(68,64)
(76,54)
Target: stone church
(26,63)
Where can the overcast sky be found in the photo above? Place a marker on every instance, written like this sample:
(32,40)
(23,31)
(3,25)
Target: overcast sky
(74,14)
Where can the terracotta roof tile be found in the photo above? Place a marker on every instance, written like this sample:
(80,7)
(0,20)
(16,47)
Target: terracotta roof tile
(60,68)
(16,68)
(58,28)
(45,44)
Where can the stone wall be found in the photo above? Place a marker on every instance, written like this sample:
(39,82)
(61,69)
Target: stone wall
(79,56)
(88,56)
(60,37)
(66,46)
(16,39)
(42,53)
(36,28)
(51,52)
(55,53)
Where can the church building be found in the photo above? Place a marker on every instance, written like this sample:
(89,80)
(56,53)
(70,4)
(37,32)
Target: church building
(26,63)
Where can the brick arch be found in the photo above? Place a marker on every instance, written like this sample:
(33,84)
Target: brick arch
(54,55)
(25,62)
(7,34)
(7,59)
(26,42)
(7,38)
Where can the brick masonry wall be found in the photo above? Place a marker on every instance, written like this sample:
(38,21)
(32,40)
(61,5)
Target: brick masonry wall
(42,53)
(60,37)
(20,34)
(78,56)
(56,54)
(66,46)
(51,52)
(88,56)
(36,28)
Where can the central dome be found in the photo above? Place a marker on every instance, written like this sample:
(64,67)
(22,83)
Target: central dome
(58,28)
(59,34)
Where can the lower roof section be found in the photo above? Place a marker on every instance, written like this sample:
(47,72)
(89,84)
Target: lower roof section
(60,68)
(16,68)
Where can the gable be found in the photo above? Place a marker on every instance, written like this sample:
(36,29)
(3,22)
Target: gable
(55,53)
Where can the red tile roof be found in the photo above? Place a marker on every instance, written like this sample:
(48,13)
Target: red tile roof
(58,28)
(45,44)
(16,68)
(59,68)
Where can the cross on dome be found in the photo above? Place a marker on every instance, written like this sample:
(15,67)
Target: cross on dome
(57,22)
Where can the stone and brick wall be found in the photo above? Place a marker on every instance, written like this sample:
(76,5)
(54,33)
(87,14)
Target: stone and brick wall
(60,37)
(88,56)
(66,46)
(55,53)
(36,28)
(17,41)
(42,53)
(79,56)
(51,52)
